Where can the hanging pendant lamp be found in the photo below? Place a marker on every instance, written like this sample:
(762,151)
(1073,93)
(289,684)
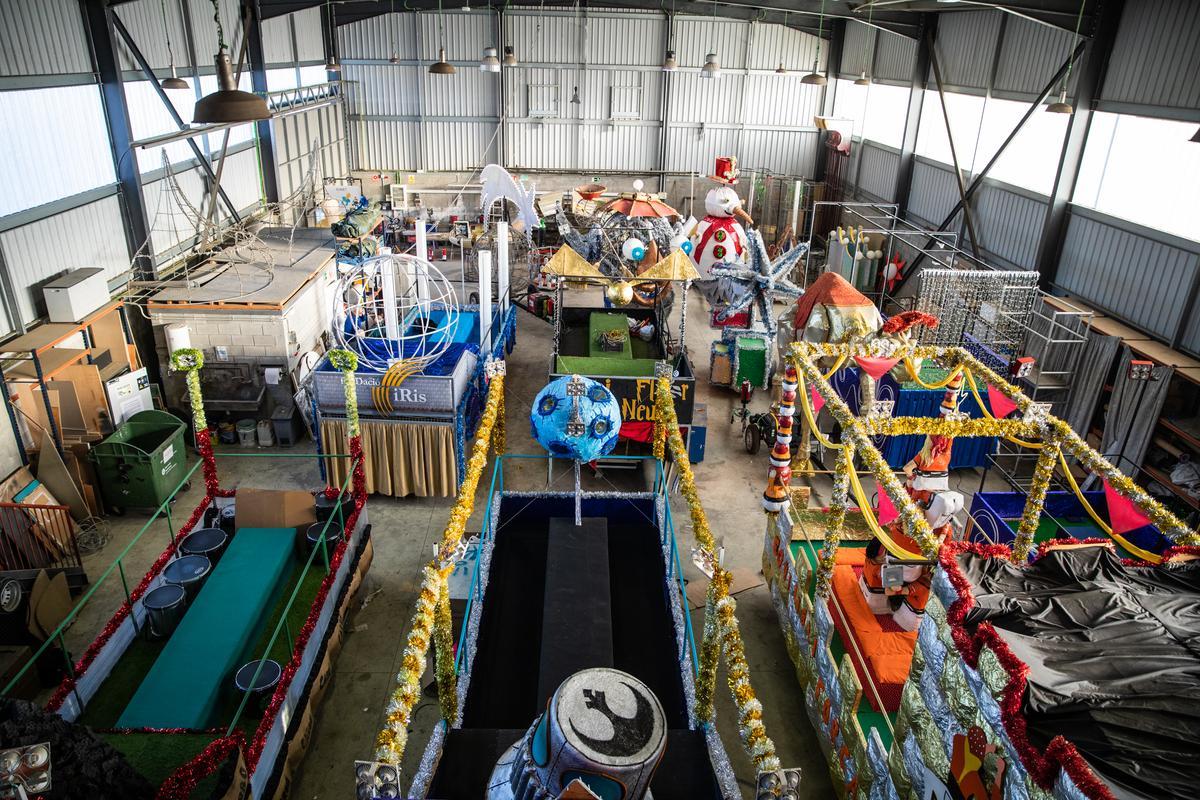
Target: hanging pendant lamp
(1062,106)
(395,59)
(1195,136)
(815,78)
(442,66)
(510,60)
(228,103)
(669,63)
(575,96)
(173,82)
(332,65)
(862,80)
(489,62)
(781,69)
(711,68)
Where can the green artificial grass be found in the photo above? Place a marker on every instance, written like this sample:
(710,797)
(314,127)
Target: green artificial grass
(156,756)
(603,366)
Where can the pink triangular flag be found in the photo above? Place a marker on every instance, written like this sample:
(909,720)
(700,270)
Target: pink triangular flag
(818,402)
(885,511)
(1001,405)
(1123,515)
(876,367)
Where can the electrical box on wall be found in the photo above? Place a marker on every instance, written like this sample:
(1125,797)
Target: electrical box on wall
(73,296)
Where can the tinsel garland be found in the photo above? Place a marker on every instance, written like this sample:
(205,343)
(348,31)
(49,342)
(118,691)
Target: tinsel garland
(443,633)
(855,434)
(948,426)
(835,520)
(1060,754)
(190,361)
(392,739)
(659,441)
(720,623)
(750,725)
(706,677)
(500,435)
(346,362)
(183,781)
(1035,499)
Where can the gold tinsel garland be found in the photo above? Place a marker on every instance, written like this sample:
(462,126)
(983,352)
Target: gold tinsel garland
(855,435)
(1035,499)
(948,426)
(500,436)
(721,632)
(835,520)
(390,743)
(443,640)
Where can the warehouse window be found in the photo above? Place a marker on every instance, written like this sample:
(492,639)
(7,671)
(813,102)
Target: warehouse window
(878,110)
(1031,159)
(55,144)
(626,102)
(543,99)
(1143,170)
(965,112)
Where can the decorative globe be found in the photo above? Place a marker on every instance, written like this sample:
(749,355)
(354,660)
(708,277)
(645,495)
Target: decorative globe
(620,293)
(598,420)
(401,289)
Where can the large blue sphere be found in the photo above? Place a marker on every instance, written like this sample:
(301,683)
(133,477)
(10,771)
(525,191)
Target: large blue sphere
(598,410)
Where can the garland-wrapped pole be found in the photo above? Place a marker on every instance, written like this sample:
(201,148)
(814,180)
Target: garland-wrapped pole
(391,741)
(190,361)
(447,678)
(721,631)
(346,362)
(1035,499)
(836,519)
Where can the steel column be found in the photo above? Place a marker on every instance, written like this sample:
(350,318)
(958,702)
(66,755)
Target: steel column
(978,180)
(912,122)
(665,104)
(99,18)
(833,65)
(1087,90)
(264,132)
(148,71)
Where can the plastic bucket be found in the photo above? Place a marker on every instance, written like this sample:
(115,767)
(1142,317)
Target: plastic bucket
(207,542)
(189,572)
(164,609)
(246,430)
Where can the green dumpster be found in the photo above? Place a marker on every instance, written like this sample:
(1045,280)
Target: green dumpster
(140,464)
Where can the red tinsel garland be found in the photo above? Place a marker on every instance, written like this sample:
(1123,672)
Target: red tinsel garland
(183,781)
(1061,754)
(89,655)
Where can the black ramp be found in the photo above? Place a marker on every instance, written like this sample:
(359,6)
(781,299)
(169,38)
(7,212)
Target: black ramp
(576,604)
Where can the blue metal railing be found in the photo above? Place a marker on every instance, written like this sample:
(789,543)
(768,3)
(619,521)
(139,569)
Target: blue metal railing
(673,566)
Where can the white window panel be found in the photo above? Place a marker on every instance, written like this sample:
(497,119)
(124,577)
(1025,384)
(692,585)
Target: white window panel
(1031,159)
(1144,170)
(313,75)
(966,113)
(887,108)
(626,102)
(282,78)
(55,144)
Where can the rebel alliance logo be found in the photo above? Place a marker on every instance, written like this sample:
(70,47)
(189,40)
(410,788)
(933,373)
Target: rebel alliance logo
(630,736)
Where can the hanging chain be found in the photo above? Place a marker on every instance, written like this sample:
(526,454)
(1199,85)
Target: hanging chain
(220,30)
(167,28)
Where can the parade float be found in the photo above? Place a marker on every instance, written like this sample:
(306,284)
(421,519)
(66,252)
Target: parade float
(419,379)
(621,346)
(206,679)
(1024,666)
(577,672)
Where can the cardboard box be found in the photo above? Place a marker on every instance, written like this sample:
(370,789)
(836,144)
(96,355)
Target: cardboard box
(273,508)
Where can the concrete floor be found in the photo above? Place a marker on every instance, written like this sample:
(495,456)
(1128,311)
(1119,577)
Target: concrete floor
(405,531)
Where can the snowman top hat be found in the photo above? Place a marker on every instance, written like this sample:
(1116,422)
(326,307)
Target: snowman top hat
(726,171)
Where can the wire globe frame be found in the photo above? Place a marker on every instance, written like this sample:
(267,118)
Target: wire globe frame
(360,313)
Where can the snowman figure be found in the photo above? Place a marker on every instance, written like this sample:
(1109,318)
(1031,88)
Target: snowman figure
(720,238)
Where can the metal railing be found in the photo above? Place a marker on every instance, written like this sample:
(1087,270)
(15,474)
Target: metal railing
(162,512)
(674,570)
(36,537)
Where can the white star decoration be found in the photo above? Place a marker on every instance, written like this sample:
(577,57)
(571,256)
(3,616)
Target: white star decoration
(760,283)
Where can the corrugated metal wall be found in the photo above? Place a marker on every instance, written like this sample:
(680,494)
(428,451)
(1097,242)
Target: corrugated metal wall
(858,49)
(298,136)
(1127,273)
(38,251)
(402,118)
(965,47)
(877,174)
(1009,225)
(934,191)
(1029,56)
(895,59)
(144,20)
(25,23)
(1154,68)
